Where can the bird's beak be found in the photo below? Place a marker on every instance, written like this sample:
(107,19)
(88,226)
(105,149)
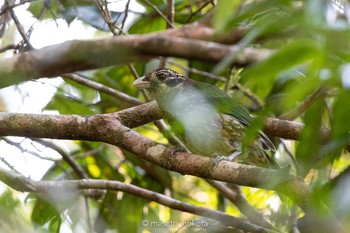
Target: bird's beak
(141,83)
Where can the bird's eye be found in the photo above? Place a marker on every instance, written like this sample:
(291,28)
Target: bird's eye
(161,77)
(173,82)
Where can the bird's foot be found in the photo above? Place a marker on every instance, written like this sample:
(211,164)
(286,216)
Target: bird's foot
(216,159)
(176,149)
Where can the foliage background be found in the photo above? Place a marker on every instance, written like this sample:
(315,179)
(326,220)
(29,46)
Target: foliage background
(306,79)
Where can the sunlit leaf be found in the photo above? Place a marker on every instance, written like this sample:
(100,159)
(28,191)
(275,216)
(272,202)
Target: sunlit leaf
(260,77)
(147,25)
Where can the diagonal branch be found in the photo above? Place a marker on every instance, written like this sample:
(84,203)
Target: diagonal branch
(235,195)
(24,184)
(79,55)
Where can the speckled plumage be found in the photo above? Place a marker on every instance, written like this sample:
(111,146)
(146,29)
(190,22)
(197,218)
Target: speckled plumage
(204,117)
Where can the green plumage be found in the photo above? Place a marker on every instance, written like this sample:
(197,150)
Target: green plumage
(204,117)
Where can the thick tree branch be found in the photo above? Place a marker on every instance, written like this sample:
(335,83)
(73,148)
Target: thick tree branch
(24,184)
(90,54)
(16,124)
(63,126)
(107,128)
(200,32)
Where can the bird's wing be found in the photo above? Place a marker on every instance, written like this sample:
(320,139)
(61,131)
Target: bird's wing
(223,103)
(226,105)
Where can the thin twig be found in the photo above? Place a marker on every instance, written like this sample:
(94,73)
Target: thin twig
(72,163)
(256,100)
(199,72)
(8,6)
(302,107)
(107,18)
(26,150)
(170,13)
(78,78)
(126,11)
(20,29)
(8,47)
(9,165)
(291,156)
(199,9)
(160,13)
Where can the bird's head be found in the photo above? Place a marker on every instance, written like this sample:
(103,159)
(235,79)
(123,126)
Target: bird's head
(160,82)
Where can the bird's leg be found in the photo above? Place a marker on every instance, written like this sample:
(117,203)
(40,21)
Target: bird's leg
(232,156)
(216,158)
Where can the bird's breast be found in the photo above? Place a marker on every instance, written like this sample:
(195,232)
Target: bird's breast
(199,125)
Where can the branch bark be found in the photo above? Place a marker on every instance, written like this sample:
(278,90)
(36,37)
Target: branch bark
(28,125)
(80,55)
(24,184)
(63,126)
(109,128)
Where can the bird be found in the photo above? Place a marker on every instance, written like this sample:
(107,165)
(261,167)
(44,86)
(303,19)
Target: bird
(207,120)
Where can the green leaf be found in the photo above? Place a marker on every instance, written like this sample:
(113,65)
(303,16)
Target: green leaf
(89,95)
(52,8)
(43,212)
(147,25)
(253,10)
(66,106)
(152,177)
(260,77)
(307,153)
(107,170)
(223,12)
(340,123)
(340,127)
(69,105)
(37,7)
(157,3)
(252,132)
(123,79)
(108,214)
(131,213)
(298,89)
